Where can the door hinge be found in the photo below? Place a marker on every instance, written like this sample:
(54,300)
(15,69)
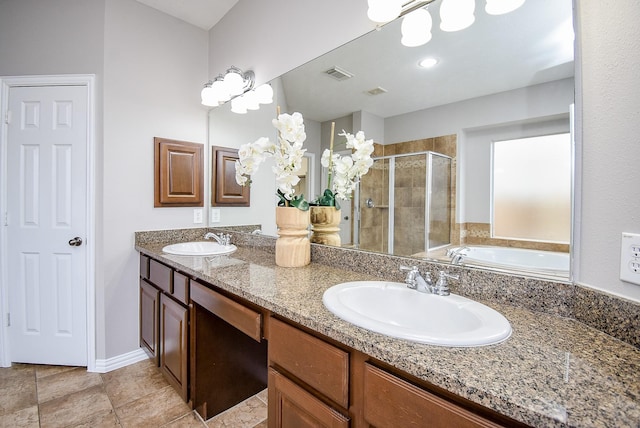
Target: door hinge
(8,319)
(7,117)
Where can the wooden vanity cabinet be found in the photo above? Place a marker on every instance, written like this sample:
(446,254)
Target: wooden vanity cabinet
(174,344)
(228,350)
(390,401)
(308,380)
(164,321)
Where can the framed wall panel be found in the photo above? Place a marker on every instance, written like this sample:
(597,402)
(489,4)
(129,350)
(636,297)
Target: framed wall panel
(179,175)
(225,191)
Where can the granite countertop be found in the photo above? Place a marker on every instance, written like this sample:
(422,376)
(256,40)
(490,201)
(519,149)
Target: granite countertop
(552,371)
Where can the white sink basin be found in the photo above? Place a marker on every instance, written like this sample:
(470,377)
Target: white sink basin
(199,248)
(393,309)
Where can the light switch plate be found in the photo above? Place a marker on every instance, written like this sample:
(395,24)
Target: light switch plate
(197,215)
(630,258)
(215,215)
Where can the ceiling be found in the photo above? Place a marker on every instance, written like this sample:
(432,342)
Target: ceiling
(531,45)
(201,13)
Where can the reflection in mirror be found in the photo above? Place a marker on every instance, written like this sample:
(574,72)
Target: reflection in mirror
(506,77)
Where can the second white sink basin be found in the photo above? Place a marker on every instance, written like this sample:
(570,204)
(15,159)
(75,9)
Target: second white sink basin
(393,309)
(199,248)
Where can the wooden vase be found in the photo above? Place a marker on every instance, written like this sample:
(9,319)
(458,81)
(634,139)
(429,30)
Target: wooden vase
(293,248)
(325,223)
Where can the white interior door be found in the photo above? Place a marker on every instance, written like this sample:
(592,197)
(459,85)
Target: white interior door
(46,221)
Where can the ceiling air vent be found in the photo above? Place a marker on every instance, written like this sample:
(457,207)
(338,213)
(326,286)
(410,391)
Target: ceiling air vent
(376,91)
(338,73)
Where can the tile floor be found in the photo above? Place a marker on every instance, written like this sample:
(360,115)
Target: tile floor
(133,396)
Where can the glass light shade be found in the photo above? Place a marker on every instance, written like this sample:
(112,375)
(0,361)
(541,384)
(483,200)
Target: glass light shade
(221,91)
(416,28)
(456,15)
(265,94)
(500,7)
(208,97)
(384,10)
(238,105)
(251,100)
(234,82)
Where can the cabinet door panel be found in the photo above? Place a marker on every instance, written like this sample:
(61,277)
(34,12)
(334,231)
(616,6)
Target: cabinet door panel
(174,343)
(315,362)
(290,406)
(149,304)
(161,276)
(391,402)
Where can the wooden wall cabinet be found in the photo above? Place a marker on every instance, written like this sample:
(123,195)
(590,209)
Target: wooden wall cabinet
(225,191)
(179,174)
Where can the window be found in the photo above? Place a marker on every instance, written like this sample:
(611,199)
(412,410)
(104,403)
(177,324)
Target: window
(531,195)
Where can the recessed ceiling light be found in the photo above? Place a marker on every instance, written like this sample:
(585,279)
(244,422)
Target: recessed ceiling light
(428,62)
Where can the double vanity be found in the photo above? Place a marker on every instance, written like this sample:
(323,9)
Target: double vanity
(223,327)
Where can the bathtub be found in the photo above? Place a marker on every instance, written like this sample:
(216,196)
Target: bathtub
(516,258)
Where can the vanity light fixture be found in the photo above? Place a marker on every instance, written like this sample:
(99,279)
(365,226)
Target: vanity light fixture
(455,15)
(236,86)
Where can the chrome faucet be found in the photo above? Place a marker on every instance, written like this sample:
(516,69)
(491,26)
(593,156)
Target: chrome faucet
(456,255)
(416,281)
(222,239)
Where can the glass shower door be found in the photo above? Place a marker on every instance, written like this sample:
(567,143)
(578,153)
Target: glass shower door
(438,206)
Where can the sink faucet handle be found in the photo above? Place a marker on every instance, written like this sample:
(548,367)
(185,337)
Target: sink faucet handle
(412,274)
(442,286)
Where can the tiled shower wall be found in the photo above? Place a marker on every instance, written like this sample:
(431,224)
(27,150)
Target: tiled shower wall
(410,192)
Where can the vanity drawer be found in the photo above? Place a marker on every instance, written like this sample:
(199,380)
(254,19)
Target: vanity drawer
(390,401)
(241,317)
(144,266)
(180,287)
(161,276)
(315,362)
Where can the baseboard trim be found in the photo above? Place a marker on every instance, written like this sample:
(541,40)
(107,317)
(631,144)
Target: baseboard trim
(113,363)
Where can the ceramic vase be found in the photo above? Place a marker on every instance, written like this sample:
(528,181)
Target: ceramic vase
(325,222)
(293,248)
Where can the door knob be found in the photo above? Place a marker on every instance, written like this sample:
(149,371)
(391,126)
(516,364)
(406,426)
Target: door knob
(346,217)
(75,242)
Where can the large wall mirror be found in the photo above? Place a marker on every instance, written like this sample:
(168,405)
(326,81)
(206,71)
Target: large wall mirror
(474,155)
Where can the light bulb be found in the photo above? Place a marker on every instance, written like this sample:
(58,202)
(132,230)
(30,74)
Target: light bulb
(500,7)
(456,15)
(382,11)
(208,96)
(238,105)
(251,100)
(416,28)
(234,82)
(265,94)
(220,90)
(428,62)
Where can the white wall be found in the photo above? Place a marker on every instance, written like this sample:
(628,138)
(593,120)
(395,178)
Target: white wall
(610,125)
(280,35)
(154,68)
(149,70)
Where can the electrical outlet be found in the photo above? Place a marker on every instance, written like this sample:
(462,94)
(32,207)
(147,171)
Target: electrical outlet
(197,215)
(630,258)
(215,215)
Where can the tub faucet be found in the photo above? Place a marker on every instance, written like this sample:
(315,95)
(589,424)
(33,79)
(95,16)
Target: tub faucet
(222,239)
(457,255)
(416,281)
